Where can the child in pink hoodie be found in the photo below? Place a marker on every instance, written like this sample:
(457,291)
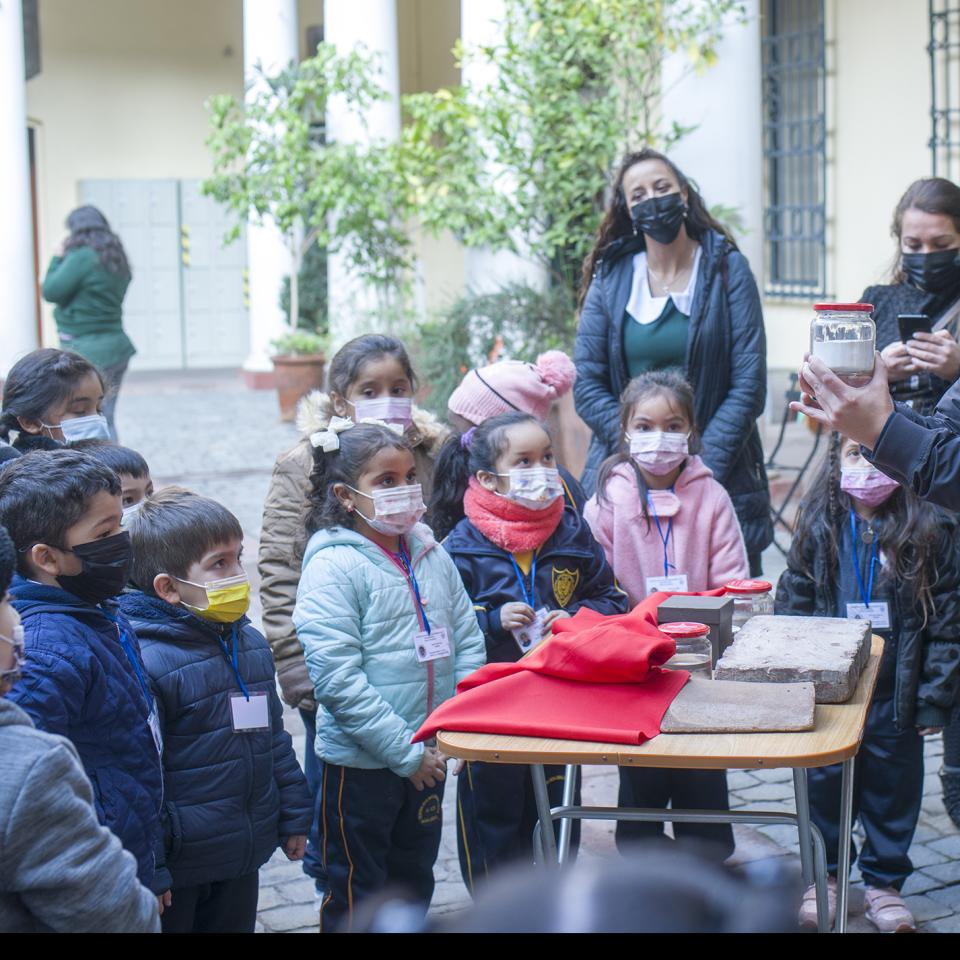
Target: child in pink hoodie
(665,524)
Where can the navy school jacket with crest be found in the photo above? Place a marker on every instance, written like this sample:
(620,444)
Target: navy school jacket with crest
(572,572)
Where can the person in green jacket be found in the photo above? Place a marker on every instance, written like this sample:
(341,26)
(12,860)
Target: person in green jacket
(87,280)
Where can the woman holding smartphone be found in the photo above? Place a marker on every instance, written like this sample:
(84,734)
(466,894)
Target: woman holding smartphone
(926,281)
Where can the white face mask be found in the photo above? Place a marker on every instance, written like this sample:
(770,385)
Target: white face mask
(395,511)
(93,427)
(129,512)
(534,487)
(387,409)
(659,452)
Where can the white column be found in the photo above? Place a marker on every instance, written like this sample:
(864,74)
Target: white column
(17,289)
(481,24)
(353,305)
(724,155)
(270,40)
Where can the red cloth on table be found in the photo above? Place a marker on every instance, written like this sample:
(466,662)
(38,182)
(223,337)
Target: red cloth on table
(598,678)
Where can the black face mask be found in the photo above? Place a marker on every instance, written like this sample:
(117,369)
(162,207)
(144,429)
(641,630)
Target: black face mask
(932,272)
(660,218)
(106,568)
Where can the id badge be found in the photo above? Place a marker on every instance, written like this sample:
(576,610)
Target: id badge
(878,613)
(153,720)
(531,635)
(432,646)
(677,583)
(249,715)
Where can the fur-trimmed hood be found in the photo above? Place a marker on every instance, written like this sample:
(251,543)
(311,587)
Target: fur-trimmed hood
(315,410)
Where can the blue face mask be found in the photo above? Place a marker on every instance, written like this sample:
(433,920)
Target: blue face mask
(93,427)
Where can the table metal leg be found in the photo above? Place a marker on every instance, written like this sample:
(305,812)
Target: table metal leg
(548,843)
(843,854)
(570,773)
(802,798)
(820,879)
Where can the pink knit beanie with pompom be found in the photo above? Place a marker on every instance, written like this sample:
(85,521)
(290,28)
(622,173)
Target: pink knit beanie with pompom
(513,385)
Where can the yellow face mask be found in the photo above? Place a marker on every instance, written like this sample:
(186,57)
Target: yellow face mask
(227,600)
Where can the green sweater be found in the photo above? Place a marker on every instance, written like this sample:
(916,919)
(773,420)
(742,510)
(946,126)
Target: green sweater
(89,301)
(657,345)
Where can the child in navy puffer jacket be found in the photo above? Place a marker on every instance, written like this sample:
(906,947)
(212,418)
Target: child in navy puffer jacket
(234,789)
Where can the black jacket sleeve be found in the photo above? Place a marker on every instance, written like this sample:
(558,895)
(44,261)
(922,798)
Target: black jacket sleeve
(796,590)
(940,669)
(296,806)
(595,401)
(494,635)
(730,425)
(600,592)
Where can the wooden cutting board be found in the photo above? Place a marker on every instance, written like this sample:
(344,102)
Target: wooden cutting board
(734,706)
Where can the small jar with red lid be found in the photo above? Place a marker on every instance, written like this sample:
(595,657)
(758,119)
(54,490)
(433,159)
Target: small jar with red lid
(751,598)
(694,650)
(844,337)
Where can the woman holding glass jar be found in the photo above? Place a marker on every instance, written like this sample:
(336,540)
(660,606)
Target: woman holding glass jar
(666,287)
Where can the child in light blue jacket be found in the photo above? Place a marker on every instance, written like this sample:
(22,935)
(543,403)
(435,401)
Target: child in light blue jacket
(388,631)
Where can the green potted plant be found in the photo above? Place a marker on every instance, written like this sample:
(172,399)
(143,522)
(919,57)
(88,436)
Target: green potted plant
(298,363)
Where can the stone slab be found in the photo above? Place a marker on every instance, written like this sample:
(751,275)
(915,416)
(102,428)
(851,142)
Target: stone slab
(826,651)
(729,706)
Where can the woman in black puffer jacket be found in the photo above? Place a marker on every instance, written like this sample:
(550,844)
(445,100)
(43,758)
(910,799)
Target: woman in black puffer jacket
(666,286)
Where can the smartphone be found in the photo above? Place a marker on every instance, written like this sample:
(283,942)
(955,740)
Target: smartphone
(911,323)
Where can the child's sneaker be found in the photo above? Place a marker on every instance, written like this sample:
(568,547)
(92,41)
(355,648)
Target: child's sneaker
(808,908)
(885,909)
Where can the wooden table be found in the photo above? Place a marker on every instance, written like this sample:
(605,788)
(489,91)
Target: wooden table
(836,737)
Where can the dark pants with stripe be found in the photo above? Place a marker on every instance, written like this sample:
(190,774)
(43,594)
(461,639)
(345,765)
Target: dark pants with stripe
(377,831)
(684,789)
(887,793)
(226,906)
(496,814)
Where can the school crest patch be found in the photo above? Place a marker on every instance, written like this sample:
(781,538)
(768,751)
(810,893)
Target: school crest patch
(429,811)
(565,582)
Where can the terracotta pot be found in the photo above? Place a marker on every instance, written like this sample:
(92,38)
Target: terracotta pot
(295,377)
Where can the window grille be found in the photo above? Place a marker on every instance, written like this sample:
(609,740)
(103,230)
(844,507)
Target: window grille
(794,147)
(944,49)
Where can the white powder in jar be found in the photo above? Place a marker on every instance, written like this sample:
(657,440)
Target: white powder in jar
(846,356)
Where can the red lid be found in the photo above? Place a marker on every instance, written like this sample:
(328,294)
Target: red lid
(684,630)
(845,307)
(748,586)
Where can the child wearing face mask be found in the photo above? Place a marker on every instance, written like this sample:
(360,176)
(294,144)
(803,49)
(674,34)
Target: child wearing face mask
(866,548)
(52,397)
(84,677)
(527,559)
(234,790)
(135,482)
(387,631)
(666,524)
(369,377)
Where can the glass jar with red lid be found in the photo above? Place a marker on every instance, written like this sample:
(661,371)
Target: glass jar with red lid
(844,337)
(751,598)
(694,650)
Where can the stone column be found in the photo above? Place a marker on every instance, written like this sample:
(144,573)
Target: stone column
(18,288)
(352,304)
(487,271)
(270,40)
(725,153)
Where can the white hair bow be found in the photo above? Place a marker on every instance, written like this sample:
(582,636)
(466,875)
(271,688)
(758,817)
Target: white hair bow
(328,440)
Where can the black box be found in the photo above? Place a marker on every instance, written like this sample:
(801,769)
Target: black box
(715,612)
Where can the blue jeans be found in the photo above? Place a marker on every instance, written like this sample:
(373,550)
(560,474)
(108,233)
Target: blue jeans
(312,770)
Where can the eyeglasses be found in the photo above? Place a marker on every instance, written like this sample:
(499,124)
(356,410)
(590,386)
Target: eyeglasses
(18,656)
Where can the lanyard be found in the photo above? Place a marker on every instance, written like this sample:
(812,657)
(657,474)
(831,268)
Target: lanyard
(412,579)
(132,657)
(528,597)
(233,660)
(865,594)
(665,539)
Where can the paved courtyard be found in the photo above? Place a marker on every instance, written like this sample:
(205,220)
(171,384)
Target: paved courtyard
(210,434)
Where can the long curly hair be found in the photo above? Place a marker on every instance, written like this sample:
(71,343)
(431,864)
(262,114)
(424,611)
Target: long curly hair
(908,531)
(89,228)
(617,224)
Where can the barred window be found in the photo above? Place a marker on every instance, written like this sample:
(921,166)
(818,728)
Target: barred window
(944,52)
(794,147)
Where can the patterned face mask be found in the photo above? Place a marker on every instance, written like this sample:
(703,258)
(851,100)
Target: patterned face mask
(534,487)
(395,511)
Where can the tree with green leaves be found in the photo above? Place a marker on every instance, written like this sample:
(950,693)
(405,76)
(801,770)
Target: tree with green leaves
(272,162)
(523,163)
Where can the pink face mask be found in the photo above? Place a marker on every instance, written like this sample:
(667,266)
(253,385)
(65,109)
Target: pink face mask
(388,409)
(657,452)
(868,485)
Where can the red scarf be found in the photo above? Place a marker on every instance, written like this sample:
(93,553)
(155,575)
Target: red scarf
(507,524)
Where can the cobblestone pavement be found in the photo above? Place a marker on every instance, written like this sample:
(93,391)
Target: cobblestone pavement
(208,433)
